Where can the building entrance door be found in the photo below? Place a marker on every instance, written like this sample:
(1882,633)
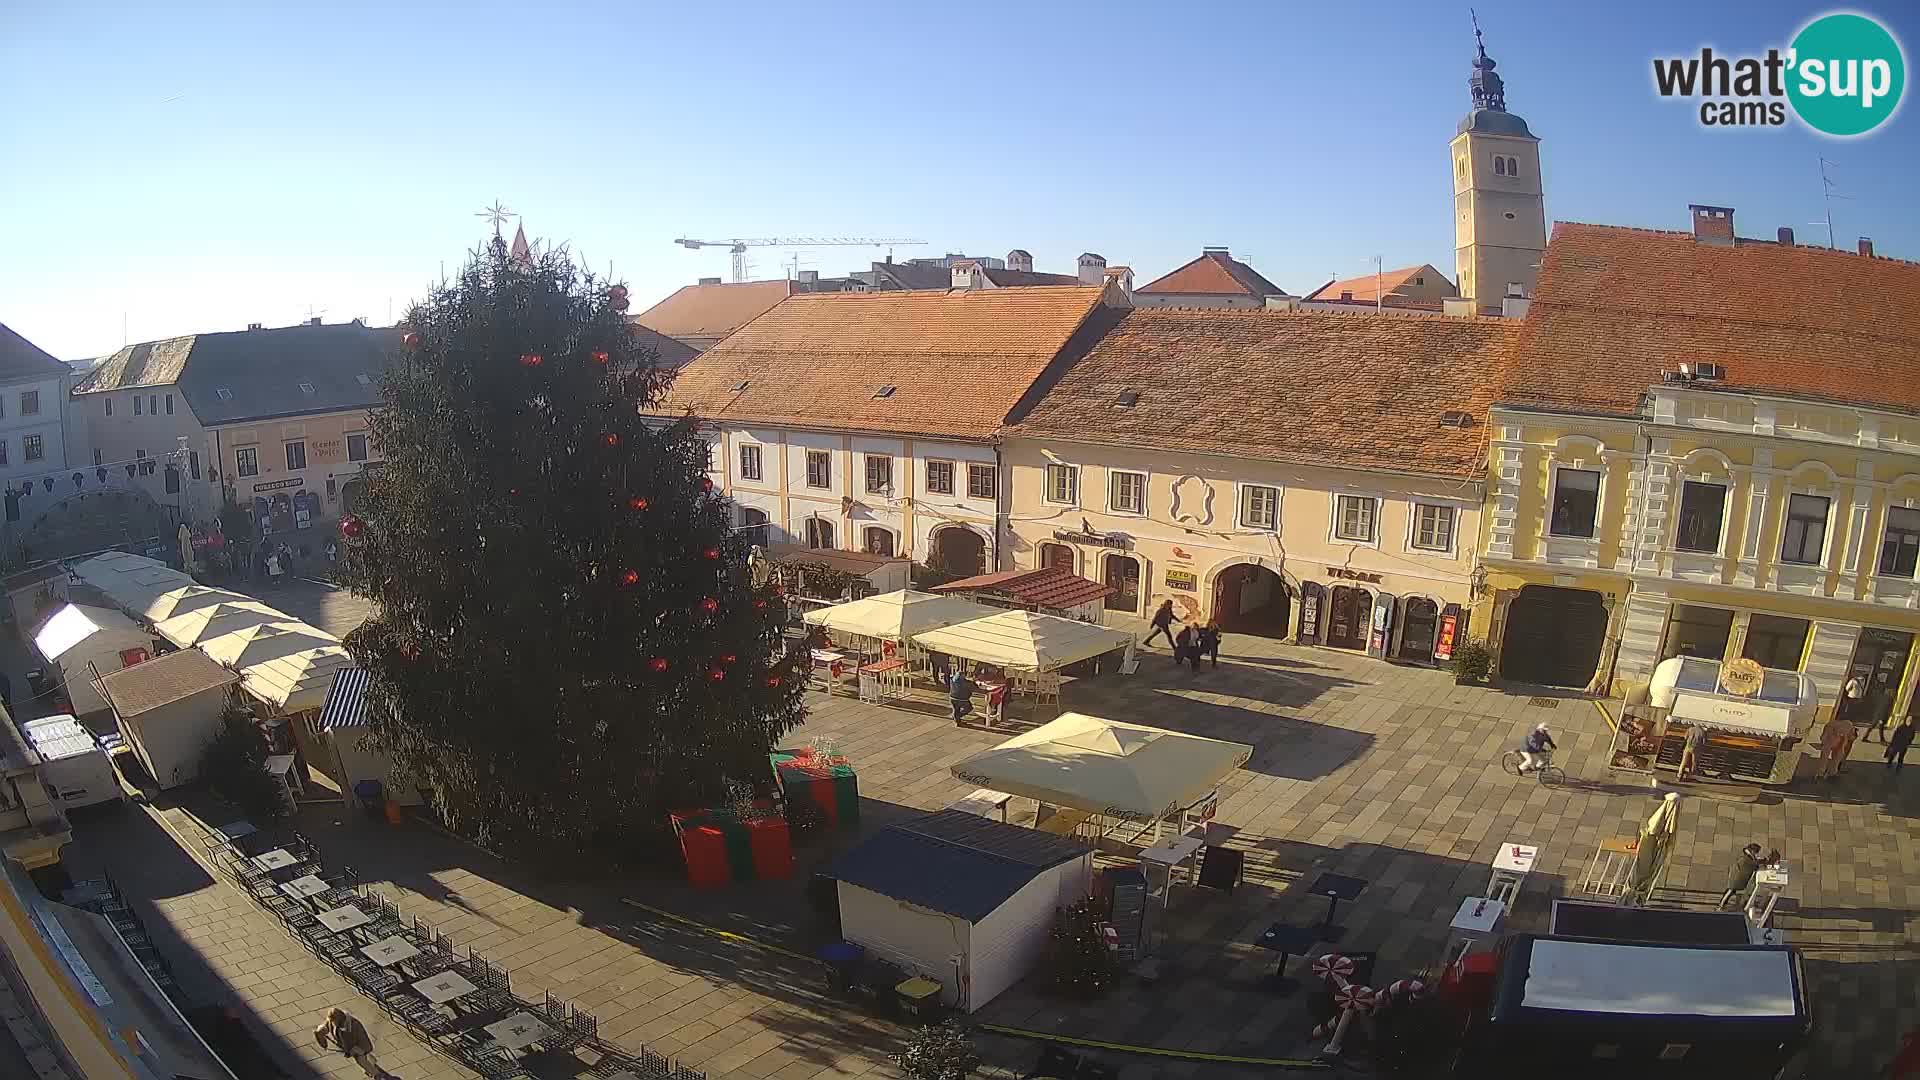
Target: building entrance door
(1878,662)
(1250,599)
(1349,615)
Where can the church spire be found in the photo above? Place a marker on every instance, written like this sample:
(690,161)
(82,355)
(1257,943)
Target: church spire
(1487,89)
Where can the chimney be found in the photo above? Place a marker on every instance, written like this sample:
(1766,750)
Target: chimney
(1515,307)
(1093,268)
(315,321)
(1283,303)
(1122,278)
(253,326)
(1712,224)
(1458,307)
(808,277)
(709,281)
(1216,251)
(1866,246)
(964,273)
(1346,294)
(1020,259)
(1786,236)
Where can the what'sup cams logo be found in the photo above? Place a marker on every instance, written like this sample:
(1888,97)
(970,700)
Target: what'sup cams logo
(1842,76)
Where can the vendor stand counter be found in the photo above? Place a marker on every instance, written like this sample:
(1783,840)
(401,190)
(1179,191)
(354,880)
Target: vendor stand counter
(1753,737)
(1585,1008)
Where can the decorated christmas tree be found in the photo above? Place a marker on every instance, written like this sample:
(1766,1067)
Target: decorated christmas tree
(565,643)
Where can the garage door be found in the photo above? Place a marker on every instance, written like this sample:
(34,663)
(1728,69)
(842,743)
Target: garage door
(1553,636)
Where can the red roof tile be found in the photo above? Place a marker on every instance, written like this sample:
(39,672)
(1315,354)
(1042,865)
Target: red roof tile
(1364,288)
(1214,273)
(1046,586)
(958,361)
(1618,306)
(711,312)
(1321,388)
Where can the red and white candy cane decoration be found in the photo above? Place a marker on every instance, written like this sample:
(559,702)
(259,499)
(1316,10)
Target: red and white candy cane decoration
(1357,998)
(1333,966)
(1321,1030)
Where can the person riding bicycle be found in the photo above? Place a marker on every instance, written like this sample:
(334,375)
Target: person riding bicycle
(1538,750)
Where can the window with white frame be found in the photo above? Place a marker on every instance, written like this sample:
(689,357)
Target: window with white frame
(356,450)
(31,448)
(1126,492)
(982,482)
(1353,518)
(879,474)
(1702,507)
(939,477)
(1804,538)
(879,541)
(1900,548)
(1063,484)
(1576,503)
(750,463)
(246,459)
(296,454)
(819,474)
(1433,527)
(1259,506)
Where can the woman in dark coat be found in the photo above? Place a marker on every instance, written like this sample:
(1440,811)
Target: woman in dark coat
(1162,623)
(1745,865)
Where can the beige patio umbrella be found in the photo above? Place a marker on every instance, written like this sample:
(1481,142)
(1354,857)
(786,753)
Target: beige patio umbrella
(1106,767)
(251,645)
(897,616)
(215,620)
(297,681)
(1025,640)
(180,601)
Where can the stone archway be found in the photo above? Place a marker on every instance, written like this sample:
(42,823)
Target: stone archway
(1252,598)
(958,551)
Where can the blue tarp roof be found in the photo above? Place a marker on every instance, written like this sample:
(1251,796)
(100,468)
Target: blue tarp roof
(953,862)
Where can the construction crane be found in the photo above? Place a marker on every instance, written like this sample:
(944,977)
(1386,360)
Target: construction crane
(738,248)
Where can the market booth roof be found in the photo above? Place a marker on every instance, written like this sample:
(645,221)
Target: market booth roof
(297,681)
(897,616)
(1026,640)
(172,605)
(1106,766)
(75,623)
(132,582)
(1043,586)
(210,621)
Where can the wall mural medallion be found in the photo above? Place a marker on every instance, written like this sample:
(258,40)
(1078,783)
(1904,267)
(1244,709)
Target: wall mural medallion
(1193,500)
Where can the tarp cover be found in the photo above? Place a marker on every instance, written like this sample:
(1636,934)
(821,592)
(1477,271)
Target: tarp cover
(1026,640)
(1106,767)
(897,616)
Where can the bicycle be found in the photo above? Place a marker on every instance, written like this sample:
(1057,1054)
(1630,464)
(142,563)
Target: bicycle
(1548,774)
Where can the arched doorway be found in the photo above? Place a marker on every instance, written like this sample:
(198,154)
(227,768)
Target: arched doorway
(1058,556)
(959,551)
(877,540)
(1123,573)
(753,525)
(1249,599)
(819,533)
(1349,611)
(1553,636)
(1419,621)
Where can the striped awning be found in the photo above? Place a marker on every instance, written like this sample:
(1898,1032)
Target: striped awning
(346,704)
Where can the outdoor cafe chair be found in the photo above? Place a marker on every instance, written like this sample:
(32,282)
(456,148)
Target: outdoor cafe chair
(654,1064)
(585,1023)
(681,1072)
(553,1008)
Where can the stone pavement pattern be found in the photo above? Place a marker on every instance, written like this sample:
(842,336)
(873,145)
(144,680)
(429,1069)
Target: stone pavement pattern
(1387,773)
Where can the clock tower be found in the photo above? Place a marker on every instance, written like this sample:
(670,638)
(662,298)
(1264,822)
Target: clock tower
(1499,206)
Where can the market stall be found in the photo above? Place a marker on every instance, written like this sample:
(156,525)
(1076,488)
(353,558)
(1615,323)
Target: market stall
(1050,590)
(177,602)
(209,621)
(958,899)
(1099,770)
(78,637)
(133,583)
(1755,718)
(874,637)
(1026,641)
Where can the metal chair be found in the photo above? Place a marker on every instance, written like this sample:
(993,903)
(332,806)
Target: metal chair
(654,1064)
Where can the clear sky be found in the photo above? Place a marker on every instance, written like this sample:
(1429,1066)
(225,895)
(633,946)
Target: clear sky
(182,167)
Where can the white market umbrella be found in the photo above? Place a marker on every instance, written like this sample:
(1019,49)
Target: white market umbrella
(179,602)
(257,644)
(215,620)
(1106,767)
(897,616)
(1026,640)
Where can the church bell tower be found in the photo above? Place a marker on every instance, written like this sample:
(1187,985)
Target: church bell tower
(1499,206)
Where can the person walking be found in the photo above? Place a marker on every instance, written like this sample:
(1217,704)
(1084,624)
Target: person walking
(340,1031)
(1835,739)
(1163,621)
(1897,745)
(1850,695)
(1184,646)
(1877,707)
(1690,751)
(960,693)
(1746,864)
(1209,644)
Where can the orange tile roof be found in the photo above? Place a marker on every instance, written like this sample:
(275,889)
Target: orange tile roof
(712,312)
(1214,273)
(1320,388)
(1618,306)
(958,361)
(1045,586)
(1363,288)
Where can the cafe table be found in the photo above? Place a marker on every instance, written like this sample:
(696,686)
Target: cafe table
(305,887)
(519,1031)
(444,987)
(390,950)
(343,918)
(277,859)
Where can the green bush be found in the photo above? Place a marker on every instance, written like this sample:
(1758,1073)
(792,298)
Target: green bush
(1472,662)
(234,765)
(938,1052)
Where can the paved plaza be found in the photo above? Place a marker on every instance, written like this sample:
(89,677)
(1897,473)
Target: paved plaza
(1386,773)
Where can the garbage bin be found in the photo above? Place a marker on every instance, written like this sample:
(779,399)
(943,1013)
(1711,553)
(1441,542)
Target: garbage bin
(372,795)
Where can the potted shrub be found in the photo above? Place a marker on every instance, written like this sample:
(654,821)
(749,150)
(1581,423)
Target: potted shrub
(938,1052)
(1472,663)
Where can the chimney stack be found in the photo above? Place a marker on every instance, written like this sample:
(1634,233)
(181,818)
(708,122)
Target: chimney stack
(1093,268)
(964,272)
(808,277)
(315,321)
(1866,246)
(1786,236)
(1712,224)
(709,281)
(253,326)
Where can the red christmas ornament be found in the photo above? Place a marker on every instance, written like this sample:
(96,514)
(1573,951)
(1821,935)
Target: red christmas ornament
(728,658)
(637,503)
(657,664)
(531,359)
(716,674)
(709,605)
(706,483)
(410,339)
(610,439)
(759,605)
(779,589)
(773,680)
(600,356)
(617,297)
(350,526)
(631,577)
(711,553)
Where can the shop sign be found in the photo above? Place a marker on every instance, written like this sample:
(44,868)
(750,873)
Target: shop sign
(279,485)
(1345,574)
(1097,539)
(1184,580)
(328,450)
(1443,640)
(1181,554)
(1742,677)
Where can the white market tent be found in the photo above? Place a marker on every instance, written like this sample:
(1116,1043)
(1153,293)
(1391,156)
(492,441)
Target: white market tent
(1026,640)
(132,582)
(215,620)
(1106,767)
(897,616)
(172,605)
(78,635)
(261,642)
(297,681)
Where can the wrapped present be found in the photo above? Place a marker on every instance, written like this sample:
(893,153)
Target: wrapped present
(719,846)
(828,783)
(704,848)
(772,847)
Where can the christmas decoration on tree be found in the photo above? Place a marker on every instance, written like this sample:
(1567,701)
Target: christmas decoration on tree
(543,656)
(1078,959)
(938,1052)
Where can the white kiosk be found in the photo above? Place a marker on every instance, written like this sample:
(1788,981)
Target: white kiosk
(1755,717)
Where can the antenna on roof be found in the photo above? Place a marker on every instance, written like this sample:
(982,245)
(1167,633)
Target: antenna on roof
(1828,193)
(1379,304)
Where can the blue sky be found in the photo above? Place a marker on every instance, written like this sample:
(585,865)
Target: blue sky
(172,168)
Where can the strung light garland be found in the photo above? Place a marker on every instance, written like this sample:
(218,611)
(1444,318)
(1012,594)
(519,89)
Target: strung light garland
(531,359)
